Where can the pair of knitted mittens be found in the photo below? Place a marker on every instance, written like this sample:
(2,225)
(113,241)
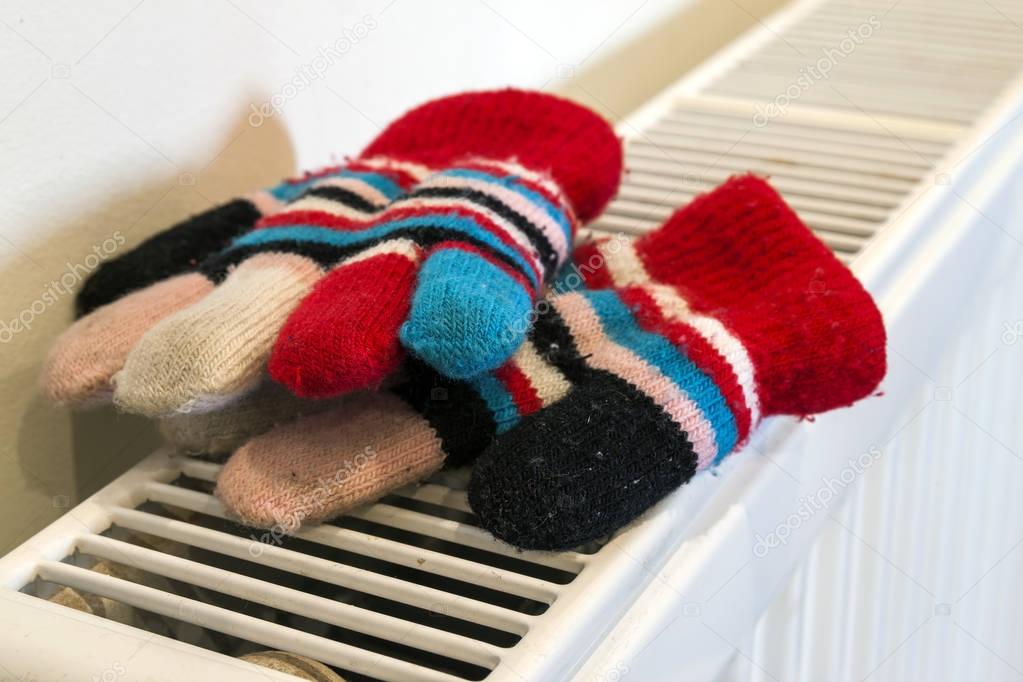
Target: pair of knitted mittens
(436,241)
(431,254)
(658,364)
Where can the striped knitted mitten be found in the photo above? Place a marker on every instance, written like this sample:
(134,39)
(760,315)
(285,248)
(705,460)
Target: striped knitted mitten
(335,289)
(730,311)
(706,332)
(179,248)
(81,363)
(459,261)
(127,296)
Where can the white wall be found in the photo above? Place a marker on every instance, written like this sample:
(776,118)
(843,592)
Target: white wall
(119,117)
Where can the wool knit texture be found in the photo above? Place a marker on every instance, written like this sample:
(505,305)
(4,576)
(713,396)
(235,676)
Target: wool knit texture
(79,369)
(330,291)
(223,431)
(673,367)
(315,467)
(729,312)
(172,251)
(182,247)
(461,255)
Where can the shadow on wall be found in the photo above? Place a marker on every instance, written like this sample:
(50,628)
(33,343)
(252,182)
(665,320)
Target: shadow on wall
(623,79)
(65,465)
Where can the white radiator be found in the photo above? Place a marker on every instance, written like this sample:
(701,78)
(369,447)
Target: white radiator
(878,542)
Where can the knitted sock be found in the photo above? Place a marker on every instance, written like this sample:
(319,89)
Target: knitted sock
(81,364)
(502,224)
(729,312)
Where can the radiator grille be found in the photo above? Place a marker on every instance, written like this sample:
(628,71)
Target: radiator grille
(407,589)
(841,177)
(936,60)
(411,588)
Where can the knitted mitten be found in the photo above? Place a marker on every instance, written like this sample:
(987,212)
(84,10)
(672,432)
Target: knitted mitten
(706,332)
(455,266)
(319,466)
(729,312)
(341,287)
(178,248)
(127,296)
(225,430)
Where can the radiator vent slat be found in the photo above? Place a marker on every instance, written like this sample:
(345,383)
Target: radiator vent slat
(431,526)
(644,157)
(349,577)
(710,113)
(379,548)
(941,61)
(287,599)
(234,623)
(843,190)
(439,495)
(705,137)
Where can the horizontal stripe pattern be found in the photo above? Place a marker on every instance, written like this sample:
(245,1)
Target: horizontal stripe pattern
(697,349)
(621,361)
(342,192)
(521,392)
(498,400)
(515,226)
(405,173)
(611,340)
(339,203)
(455,227)
(522,386)
(372,184)
(405,248)
(328,255)
(357,190)
(510,215)
(490,222)
(622,262)
(546,225)
(730,348)
(626,268)
(636,335)
(539,374)
(549,384)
